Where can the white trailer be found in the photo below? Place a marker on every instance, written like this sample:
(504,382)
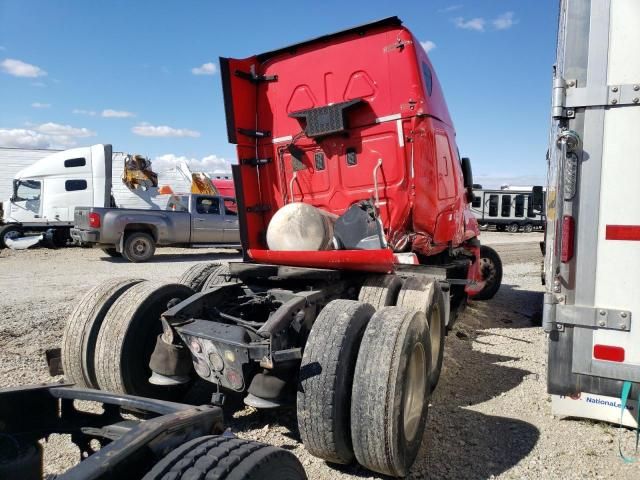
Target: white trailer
(45,193)
(508,210)
(592,260)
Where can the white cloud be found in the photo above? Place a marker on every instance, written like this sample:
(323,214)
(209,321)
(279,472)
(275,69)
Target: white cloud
(204,69)
(108,113)
(46,135)
(428,45)
(23,138)
(40,105)
(208,164)
(146,130)
(18,68)
(451,8)
(79,111)
(476,24)
(57,129)
(504,21)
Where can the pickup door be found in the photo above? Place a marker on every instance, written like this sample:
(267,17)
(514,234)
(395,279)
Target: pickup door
(231,227)
(207,220)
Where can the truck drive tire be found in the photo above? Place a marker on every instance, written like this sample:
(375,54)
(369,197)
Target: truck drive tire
(196,276)
(390,396)
(82,327)
(9,232)
(528,228)
(426,296)
(326,376)
(513,228)
(218,276)
(112,252)
(219,457)
(138,247)
(491,269)
(128,337)
(380,290)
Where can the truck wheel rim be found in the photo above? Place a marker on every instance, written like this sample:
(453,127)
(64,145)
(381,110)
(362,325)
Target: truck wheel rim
(11,235)
(140,247)
(416,390)
(434,327)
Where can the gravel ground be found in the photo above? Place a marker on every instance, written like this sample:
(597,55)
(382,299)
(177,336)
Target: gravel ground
(490,416)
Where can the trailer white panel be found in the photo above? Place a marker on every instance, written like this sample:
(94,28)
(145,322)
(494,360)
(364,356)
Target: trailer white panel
(618,261)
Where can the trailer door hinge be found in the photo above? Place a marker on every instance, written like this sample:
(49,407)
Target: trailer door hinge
(259,208)
(255,78)
(254,133)
(567,96)
(591,317)
(254,162)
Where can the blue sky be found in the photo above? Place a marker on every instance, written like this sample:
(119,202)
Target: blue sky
(143,75)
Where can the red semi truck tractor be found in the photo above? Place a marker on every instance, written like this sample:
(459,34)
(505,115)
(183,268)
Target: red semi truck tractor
(359,252)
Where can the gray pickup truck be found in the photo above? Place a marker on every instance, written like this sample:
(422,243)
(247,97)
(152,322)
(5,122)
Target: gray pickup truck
(189,221)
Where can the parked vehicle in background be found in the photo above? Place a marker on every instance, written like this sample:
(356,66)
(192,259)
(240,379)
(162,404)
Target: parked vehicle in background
(592,305)
(190,221)
(45,193)
(359,250)
(509,210)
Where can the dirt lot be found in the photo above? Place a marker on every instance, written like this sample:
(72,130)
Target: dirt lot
(490,415)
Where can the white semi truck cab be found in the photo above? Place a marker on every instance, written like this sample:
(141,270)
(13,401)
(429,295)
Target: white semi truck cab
(46,193)
(592,302)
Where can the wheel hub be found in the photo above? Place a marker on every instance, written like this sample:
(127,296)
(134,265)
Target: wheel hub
(488,270)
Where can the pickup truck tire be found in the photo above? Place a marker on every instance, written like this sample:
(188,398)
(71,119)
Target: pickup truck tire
(228,458)
(112,252)
(426,296)
(9,232)
(491,269)
(128,337)
(196,276)
(326,376)
(82,327)
(380,290)
(218,276)
(390,396)
(138,247)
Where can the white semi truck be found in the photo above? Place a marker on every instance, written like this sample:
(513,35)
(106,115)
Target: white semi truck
(592,301)
(45,193)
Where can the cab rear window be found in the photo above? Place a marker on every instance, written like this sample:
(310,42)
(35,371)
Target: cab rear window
(427,76)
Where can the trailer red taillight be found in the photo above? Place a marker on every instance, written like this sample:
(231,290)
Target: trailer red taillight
(568,232)
(94,220)
(608,352)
